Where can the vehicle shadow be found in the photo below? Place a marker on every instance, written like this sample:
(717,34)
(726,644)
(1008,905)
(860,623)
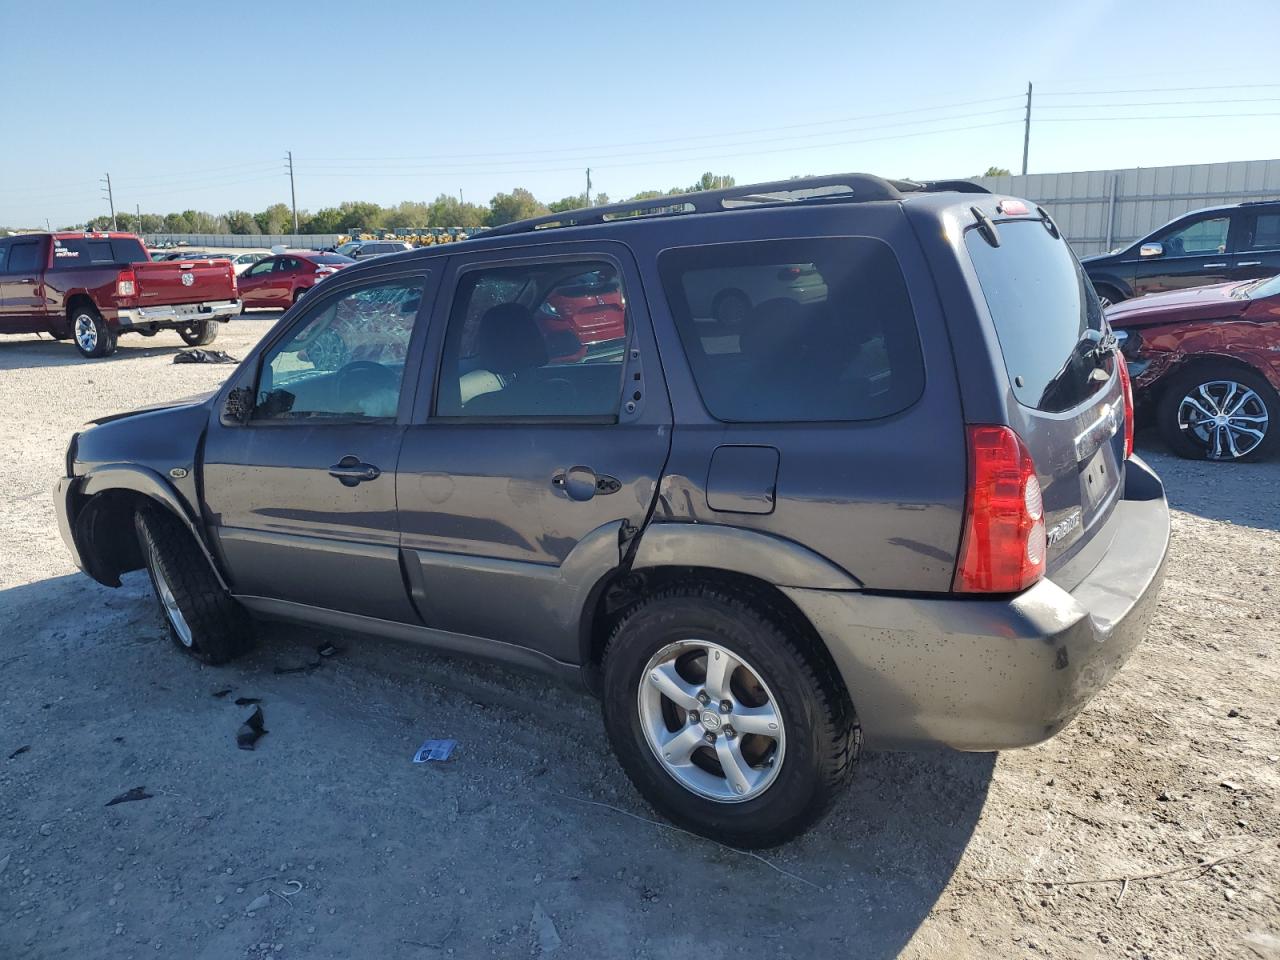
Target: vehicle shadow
(1245,494)
(532,816)
(41,351)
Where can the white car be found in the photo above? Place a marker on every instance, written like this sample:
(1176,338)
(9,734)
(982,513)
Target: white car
(727,295)
(244,261)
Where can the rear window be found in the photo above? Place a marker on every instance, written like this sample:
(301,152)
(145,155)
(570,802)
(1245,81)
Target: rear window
(1046,314)
(796,330)
(87,251)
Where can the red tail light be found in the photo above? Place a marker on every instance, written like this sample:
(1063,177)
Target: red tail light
(1127,387)
(235,281)
(1003,546)
(126,285)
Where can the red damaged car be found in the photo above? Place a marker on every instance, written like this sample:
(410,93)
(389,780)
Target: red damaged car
(281,280)
(1205,363)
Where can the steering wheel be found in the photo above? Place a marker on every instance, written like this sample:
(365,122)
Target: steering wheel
(360,379)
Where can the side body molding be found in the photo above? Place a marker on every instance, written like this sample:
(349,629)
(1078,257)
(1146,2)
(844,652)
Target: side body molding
(142,480)
(763,556)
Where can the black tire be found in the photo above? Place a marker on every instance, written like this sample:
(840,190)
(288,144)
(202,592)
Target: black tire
(821,729)
(1108,295)
(1188,439)
(199,333)
(731,307)
(93,337)
(217,629)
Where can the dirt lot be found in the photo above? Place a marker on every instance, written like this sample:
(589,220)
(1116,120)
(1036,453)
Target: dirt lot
(509,850)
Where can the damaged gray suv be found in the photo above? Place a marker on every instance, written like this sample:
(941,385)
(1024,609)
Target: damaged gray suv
(888,499)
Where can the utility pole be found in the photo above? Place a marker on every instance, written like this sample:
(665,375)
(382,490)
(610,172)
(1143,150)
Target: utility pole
(460,200)
(588,186)
(110,198)
(137,209)
(293,196)
(1026,131)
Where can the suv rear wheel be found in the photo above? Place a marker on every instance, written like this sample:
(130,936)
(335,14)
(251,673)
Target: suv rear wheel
(724,719)
(201,617)
(1220,412)
(199,333)
(94,338)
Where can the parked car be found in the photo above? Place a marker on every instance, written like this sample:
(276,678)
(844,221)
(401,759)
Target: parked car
(902,514)
(1213,245)
(377,248)
(280,281)
(1205,364)
(244,261)
(93,287)
(588,308)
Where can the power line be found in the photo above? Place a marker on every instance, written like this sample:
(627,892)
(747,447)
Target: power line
(1226,86)
(1156,103)
(1171,116)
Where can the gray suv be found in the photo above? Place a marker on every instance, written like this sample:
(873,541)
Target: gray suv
(890,502)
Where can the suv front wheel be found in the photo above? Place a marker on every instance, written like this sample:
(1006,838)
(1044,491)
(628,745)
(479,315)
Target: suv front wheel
(724,718)
(201,617)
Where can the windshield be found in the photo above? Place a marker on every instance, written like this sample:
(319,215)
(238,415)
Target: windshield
(1046,315)
(1269,287)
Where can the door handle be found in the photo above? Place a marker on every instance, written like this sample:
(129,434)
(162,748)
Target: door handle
(583,483)
(1213,264)
(1249,263)
(351,471)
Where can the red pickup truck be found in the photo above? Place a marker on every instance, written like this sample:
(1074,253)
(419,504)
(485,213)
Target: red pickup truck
(92,287)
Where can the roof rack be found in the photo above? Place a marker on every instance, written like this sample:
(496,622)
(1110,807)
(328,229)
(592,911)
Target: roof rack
(834,188)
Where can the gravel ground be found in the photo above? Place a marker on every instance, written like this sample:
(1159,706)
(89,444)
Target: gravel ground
(328,842)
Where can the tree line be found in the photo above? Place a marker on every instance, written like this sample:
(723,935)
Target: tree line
(444,211)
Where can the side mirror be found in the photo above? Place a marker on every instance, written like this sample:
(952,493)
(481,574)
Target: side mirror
(238,406)
(1151,250)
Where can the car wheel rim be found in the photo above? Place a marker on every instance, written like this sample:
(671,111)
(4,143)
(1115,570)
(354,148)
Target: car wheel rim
(170,603)
(711,721)
(86,332)
(1104,302)
(1228,419)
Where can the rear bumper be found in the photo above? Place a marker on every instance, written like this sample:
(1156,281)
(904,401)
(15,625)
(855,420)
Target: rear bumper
(977,674)
(178,315)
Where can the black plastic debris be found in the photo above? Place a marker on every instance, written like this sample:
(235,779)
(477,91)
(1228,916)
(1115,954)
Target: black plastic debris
(203,356)
(222,693)
(137,793)
(20,751)
(247,701)
(251,730)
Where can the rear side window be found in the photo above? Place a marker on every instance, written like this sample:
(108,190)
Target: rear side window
(1046,314)
(1266,231)
(796,330)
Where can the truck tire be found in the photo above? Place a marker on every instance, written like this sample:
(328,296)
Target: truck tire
(1192,399)
(686,666)
(199,333)
(93,337)
(200,616)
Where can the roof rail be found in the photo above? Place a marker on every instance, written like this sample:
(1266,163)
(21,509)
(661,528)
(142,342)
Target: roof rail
(834,188)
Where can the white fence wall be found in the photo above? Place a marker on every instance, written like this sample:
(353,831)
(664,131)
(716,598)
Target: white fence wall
(1102,209)
(262,241)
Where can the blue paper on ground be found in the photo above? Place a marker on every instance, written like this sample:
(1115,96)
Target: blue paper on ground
(435,750)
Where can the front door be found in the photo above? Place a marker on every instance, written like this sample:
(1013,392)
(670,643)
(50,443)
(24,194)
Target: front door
(301,497)
(534,456)
(1257,251)
(1194,255)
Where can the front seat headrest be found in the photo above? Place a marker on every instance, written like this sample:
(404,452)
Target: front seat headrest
(508,340)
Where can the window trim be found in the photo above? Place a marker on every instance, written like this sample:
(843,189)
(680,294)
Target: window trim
(793,424)
(503,261)
(412,368)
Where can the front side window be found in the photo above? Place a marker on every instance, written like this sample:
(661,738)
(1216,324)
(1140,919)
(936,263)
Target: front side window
(539,340)
(1200,238)
(821,330)
(261,267)
(345,359)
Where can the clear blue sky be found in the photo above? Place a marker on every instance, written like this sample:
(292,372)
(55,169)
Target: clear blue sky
(193,105)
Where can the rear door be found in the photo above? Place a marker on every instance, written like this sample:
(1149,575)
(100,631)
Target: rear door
(1062,368)
(22,303)
(530,464)
(1195,254)
(1257,249)
(301,498)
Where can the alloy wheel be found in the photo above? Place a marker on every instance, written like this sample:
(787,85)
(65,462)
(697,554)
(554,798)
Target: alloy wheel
(169,602)
(711,721)
(86,333)
(1225,417)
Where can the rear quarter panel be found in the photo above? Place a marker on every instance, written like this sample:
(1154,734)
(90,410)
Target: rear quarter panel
(97,283)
